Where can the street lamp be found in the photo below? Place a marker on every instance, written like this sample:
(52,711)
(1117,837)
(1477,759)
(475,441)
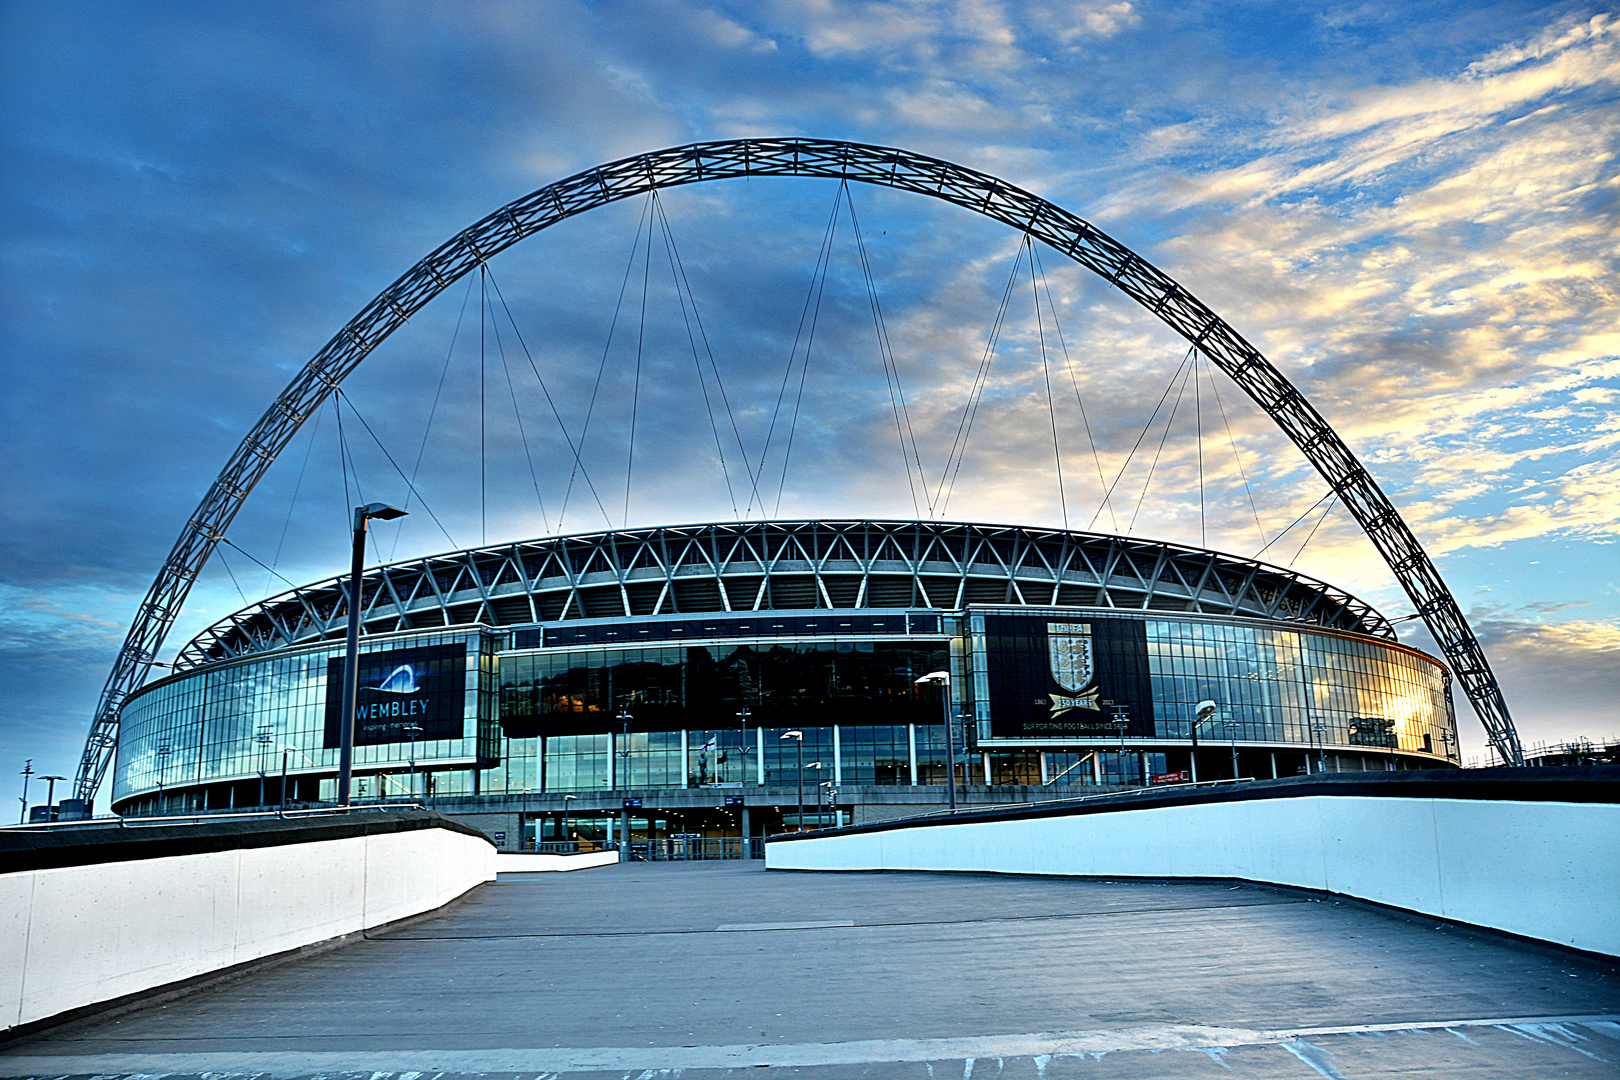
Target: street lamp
(1205,712)
(566,800)
(351,651)
(163,753)
(1231,731)
(413,729)
(944,680)
(624,820)
(798,739)
(285,750)
(264,739)
(1319,733)
(742,715)
(50,796)
(27,771)
(816,765)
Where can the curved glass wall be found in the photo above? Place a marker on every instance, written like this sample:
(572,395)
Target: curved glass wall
(600,717)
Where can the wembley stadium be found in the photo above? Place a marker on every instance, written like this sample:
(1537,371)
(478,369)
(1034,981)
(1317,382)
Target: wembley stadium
(543,688)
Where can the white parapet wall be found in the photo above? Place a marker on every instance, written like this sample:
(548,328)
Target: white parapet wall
(1542,869)
(78,935)
(521,862)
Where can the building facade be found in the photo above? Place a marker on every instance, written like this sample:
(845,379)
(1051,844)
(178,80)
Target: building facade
(670,668)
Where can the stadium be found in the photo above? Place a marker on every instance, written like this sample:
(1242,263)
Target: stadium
(544,687)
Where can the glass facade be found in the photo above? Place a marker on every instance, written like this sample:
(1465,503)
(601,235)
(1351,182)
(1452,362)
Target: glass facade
(1270,684)
(597,715)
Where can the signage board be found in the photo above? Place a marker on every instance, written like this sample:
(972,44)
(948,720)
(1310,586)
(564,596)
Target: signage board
(1054,677)
(500,838)
(1181,777)
(734,800)
(632,804)
(423,686)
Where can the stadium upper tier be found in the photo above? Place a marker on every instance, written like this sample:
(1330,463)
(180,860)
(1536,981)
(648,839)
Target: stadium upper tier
(785,565)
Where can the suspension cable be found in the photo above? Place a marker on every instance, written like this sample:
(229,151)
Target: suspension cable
(812,295)
(1169,422)
(1198,419)
(809,347)
(551,402)
(1169,386)
(483,511)
(1074,380)
(347,400)
(1214,389)
(249,554)
(1046,372)
(1308,510)
(635,386)
(970,409)
(590,410)
(444,371)
(677,269)
(1312,535)
(500,348)
(314,433)
(891,369)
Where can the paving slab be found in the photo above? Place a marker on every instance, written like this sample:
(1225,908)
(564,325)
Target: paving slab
(721,969)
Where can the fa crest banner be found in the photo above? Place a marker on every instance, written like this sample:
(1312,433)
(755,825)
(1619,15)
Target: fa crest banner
(1074,666)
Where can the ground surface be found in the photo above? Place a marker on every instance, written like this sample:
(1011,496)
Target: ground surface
(714,969)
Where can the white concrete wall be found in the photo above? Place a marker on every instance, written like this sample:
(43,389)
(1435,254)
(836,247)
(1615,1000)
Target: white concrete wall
(77,935)
(1545,870)
(540,862)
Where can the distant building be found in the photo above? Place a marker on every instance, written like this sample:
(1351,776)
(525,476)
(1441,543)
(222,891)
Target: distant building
(666,664)
(1576,752)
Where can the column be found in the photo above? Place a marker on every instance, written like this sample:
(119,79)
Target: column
(1274,764)
(1045,777)
(987,768)
(838,760)
(1096,767)
(759,738)
(911,743)
(612,746)
(686,762)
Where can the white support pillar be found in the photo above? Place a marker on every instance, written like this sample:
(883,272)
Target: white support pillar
(1274,764)
(759,739)
(686,760)
(612,758)
(1096,767)
(987,768)
(838,759)
(1045,776)
(911,744)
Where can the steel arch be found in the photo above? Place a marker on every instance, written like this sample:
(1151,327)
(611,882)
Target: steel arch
(884,166)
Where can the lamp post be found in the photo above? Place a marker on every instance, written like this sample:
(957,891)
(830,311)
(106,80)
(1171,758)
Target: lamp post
(1319,734)
(50,796)
(816,765)
(285,750)
(1121,725)
(1205,713)
(624,820)
(27,771)
(943,678)
(742,716)
(163,753)
(263,738)
(351,651)
(566,800)
(798,739)
(1231,731)
(413,729)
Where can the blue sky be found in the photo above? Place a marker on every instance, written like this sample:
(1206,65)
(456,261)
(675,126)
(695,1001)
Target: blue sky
(1411,209)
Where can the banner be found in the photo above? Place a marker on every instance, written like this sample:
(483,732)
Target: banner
(424,686)
(1052,677)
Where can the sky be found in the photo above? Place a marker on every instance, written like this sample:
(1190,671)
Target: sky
(1410,209)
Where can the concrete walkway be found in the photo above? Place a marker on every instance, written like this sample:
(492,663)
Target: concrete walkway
(712,969)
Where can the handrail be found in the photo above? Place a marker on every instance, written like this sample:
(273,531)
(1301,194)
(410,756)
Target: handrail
(142,822)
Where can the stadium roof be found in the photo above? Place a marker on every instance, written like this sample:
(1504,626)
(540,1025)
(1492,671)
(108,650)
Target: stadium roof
(785,565)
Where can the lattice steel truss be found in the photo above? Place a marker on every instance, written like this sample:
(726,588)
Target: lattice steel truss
(785,565)
(884,166)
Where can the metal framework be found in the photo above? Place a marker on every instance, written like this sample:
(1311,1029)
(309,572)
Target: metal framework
(784,566)
(885,166)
